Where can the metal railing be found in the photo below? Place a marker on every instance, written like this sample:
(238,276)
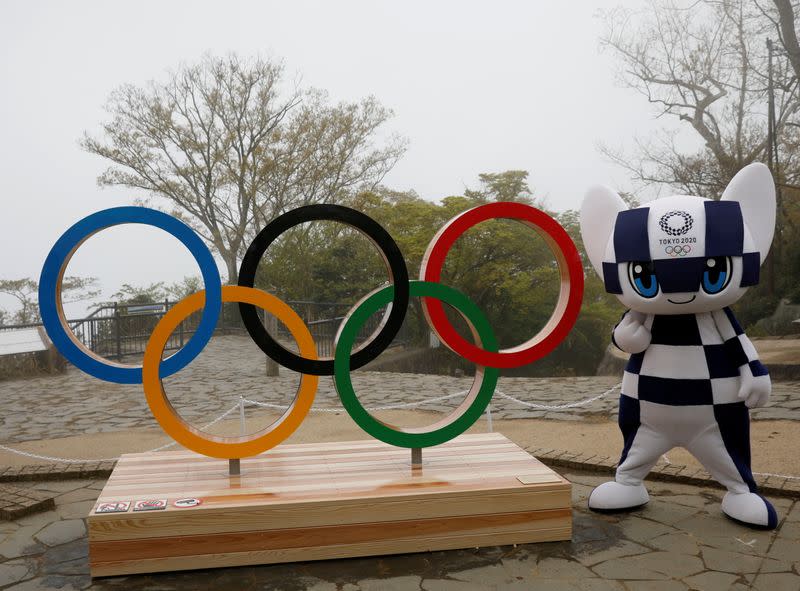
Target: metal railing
(117,330)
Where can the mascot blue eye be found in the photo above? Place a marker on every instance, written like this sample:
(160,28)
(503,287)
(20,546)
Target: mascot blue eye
(642,276)
(716,274)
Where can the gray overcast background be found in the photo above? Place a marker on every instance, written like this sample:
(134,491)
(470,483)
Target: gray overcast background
(475,87)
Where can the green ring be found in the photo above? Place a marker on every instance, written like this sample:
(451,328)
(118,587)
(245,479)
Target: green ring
(344,385)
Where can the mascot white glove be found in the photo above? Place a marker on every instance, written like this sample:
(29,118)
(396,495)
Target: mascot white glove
(631,334)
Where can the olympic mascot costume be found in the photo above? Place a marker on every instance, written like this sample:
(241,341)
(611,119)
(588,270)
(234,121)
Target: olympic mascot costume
(677,264)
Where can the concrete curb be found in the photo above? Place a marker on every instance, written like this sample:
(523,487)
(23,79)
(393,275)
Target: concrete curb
(768,485)
(56,471)
(555,458)
(19,502)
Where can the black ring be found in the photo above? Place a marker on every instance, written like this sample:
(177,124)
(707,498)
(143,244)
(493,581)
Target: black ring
(391,254)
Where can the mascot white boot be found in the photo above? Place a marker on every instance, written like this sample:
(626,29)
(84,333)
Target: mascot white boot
(677,264)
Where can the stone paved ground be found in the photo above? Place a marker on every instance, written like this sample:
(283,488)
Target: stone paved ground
(74,403)
(679,541)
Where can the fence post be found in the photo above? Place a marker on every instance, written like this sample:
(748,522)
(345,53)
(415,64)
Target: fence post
(180,326)
(271,324)
(118,331)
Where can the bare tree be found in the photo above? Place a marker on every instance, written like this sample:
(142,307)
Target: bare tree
(228,146)
(786,25)
(705,65)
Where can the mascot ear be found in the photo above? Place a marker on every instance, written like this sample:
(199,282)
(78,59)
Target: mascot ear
(598,216)
(754,189)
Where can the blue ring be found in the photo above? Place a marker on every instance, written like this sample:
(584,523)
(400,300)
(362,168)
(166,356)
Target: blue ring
(60,255)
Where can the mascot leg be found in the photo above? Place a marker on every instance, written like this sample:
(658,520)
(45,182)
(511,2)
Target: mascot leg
(724,449)
(643,447)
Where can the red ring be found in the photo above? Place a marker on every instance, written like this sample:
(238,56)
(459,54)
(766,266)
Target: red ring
(569,297)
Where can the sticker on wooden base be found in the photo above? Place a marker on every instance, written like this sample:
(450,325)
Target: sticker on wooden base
(113,507)
(186,503)
(150,505)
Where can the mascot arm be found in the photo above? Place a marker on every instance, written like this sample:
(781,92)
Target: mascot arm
(632,333)
(754,383)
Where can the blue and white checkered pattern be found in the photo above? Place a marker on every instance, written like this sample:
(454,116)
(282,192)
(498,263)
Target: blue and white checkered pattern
(706,229)
(693,359)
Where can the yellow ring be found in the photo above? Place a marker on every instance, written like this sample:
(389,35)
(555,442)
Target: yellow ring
(212,445)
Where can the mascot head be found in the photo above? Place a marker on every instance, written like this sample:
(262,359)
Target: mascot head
(681,254)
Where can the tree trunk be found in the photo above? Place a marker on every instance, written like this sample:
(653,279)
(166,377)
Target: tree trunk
(786,25)
(233,269)
(271,323)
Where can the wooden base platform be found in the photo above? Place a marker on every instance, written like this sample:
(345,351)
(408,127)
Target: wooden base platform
(320,501)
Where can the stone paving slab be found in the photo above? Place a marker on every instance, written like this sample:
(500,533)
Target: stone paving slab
(231,366)
(678,541)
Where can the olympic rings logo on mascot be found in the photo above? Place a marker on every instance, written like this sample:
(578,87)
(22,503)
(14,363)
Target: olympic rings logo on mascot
(679,250)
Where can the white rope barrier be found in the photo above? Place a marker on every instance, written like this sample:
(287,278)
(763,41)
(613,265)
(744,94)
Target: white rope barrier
(26,454)
(81,461)
(447,397)
(239,406)
(558,406)
(370,409)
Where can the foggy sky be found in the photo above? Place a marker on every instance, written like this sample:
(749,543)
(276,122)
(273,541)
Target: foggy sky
(480,87)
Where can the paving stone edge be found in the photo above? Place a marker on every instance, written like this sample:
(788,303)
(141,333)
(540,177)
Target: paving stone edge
(555,458)
(18,502)
(56,471)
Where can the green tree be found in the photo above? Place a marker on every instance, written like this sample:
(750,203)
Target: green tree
(140,294)
(224,144)
(510,185)
(26,292)
(180,289)
(501,265)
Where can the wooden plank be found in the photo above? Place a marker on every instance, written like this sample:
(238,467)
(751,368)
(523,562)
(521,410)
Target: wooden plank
(316,501)
(315,514)
(301,537)
(362,480)
(383,547)
(171,473)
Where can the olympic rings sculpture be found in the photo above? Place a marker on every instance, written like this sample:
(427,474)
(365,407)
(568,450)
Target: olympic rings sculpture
(484,352)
